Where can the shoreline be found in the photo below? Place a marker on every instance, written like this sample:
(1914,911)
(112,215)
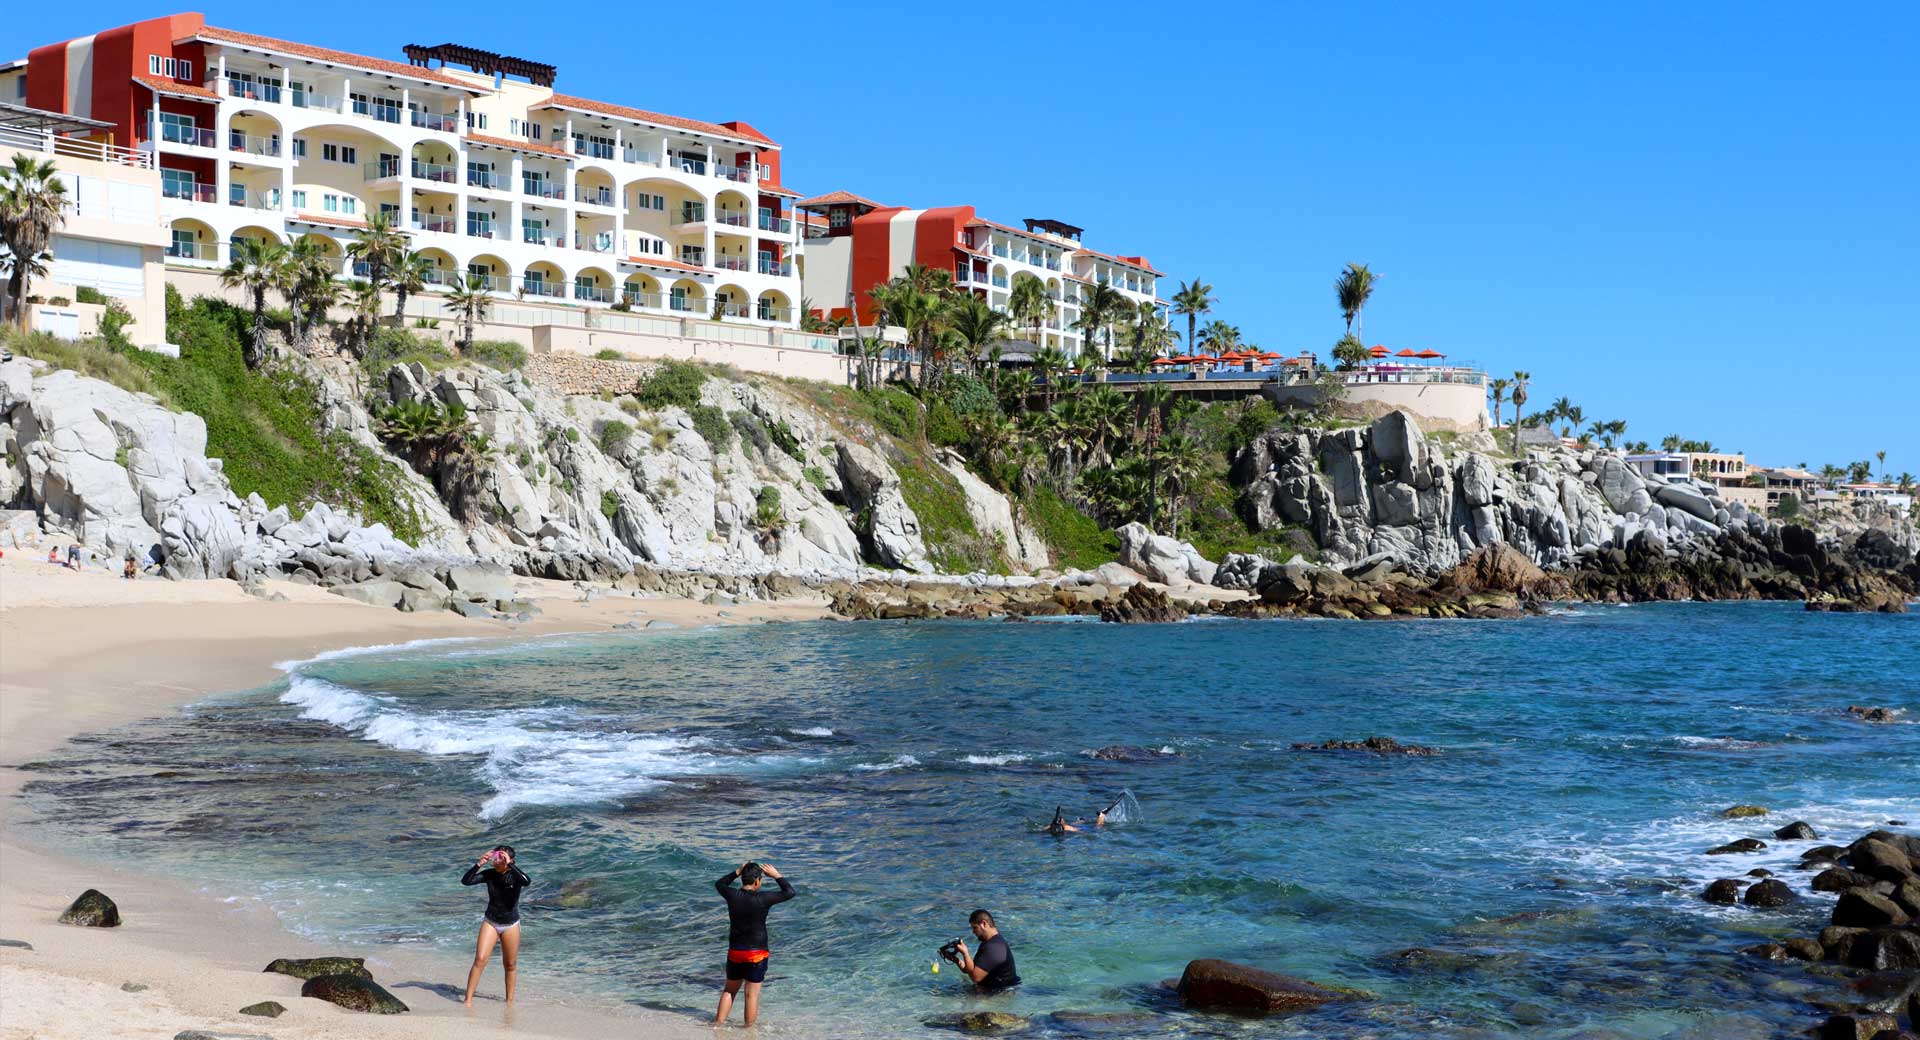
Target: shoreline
(89,652)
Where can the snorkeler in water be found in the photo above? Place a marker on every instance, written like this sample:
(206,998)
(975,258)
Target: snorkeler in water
(1060,826)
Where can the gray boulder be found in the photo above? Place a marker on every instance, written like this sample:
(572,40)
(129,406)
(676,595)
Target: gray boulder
(481,581)
(378,593)
(1677,496)
(1163,559)
(873,489)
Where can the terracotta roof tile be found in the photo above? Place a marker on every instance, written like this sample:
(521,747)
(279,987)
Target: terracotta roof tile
(525,146)
(342,222)
(1137,262)
(671,265)
(833,198)
(736,130)
(391,68)
(162,85)
(775,189)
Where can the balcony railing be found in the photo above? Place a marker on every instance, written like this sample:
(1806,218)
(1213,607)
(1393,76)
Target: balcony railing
(238,195)
(536,236)
(542,287)
(238,141)
(766,312)
(484,229)
(188,190)
(732,263)
(695,214)
(732,218)
(999,281)
(175,133)
(733,173)
(444,278)
(776,268)
(439,173)
(73,147)
(253,90)
(490,282)
(593,243)
(693,256)
(635,297)
(543,187)
(1000,251)
(592,293)
(693,166)
(380,169)
(309,99)
(593,149)
(640,155)
(443,225)
(685,304)
(193,251)
(484,178)
(593,196)
(777,225)
(447,122)
(383,110)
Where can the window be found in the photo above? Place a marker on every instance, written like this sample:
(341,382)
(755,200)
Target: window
(299,148)
(160,65)
(839,217)
(535,134)
(349,155)
(476,120)
(183,244)
(178,183)
(330,202)
(185,71)
(299,199)
(349,205)
(389,209)
(645,200)
(330,152)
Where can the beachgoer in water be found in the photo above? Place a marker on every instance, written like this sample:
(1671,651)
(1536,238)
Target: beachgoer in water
(991,967)
(1060,826)
(747,947)
(501,922)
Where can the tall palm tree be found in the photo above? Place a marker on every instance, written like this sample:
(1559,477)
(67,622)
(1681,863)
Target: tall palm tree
(1520,381)
(1100,304)
(1572,417)
(306,280)
(254,267)
(32,198)
(1049,363)
(1671,442)
(1882,456)
(1594,432)
(1219,336)
(378,245)
(1194,299)
(1498,389)
(1615,428)
(408,276)
(470,304)
(1352,290)
(1905,482)
(363,299)
(979,324)
(1151,332)
(1029,303)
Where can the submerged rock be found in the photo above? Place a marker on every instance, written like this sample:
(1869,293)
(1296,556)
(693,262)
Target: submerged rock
(1738,845)
(92,910)
(1218,985)
(1769,893)
(313,967)
(1129,753)
(1865,908)
(1725,892)
(1741,812)
(353,992)
(1377,745)
(1796,831)
(1142,605)
(1857,1027)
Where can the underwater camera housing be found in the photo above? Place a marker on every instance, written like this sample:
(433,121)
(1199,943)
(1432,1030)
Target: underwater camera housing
(950,951)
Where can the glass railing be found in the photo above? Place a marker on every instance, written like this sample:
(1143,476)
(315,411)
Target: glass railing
(593,243)
(191,251)
(768,313)
(309,99)
(593,149)
(694,166)
(384,111)
(635,297)
(733,310)
(999,282)
(238,195)
(443,121)
(733,173)
(175,133)
(439,173)
(443,225)
(690,215)
(593,196)
(490,282)
(732,218)
(777,268)
(535,236)
(640,155)
(1000,251)
(482,229)
(543,188)
(238,141)
(253,90)
(693,256)
(732,263)
(592,293)
(380,169)
(778,225)
(484,178)
(187,190)
(442,277)
(542,287)
(681,303)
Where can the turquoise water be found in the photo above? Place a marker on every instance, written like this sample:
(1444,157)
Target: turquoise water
(895,770)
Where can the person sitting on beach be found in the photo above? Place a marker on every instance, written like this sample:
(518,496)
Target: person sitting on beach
(747,947)
(990,968)
(130,572)
(501,922)
(53,555)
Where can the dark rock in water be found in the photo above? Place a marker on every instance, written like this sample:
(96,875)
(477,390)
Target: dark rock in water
(1725,891)
(1738,845)
(1377,745)
(1760,872)
(1908,896)
(1141,605)
(1856,1026)
(1127,753)
(92,910)
(1837,879)
(1767,952)
(1804,949)
(991,1022)
(265,1009)
(314,967)
(1089,1023)
(353,992)
(16,944)
(134,987)
(1796,831)
(1769,893)
(1873,714)
(1741,812)
(1451,962)
(1862,908)
(577,894)
(1880,859)
(1886,949)
(1838,940)
(1825,852)
(1219,985)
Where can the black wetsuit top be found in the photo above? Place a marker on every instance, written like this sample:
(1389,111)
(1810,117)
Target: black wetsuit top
(995,958)
(503,891)
(747,911)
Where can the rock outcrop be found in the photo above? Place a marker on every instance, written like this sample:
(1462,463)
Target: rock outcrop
(92,910)
(353,992)
(1218,985)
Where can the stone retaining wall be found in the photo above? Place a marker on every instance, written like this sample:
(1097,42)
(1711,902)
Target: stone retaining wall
(574,374)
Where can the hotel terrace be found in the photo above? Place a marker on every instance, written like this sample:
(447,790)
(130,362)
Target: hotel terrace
(548,197)
(854,244)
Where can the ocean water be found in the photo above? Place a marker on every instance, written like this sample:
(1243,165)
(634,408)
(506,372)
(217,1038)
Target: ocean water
(1537,877)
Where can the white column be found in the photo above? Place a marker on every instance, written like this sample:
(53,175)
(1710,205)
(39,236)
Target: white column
(619,146)
(666,156)
(515,208)
(220,73)
(286,85)
(406,109)
(286,189)
(346,94)
(460,210)
(461,126)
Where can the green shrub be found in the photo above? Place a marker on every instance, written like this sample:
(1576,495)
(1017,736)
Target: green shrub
(712,425)
(503,354)
(766,508)
(672,383)
(751,430)
(573,435)
(815,476)
(1788,507)
(113,323)
(609,504)
(389,346)
(953,543)
(629,406)
(59,301)
(1077,539)
(782,435)
(90,357)
(88,294)
(607,354)
(896,411)
(943,426)
(614,436)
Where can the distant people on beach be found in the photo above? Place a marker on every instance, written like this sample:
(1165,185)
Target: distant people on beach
(989,969)
(130,572)
(53,555)
(501,921)
(747,945)
(73,557)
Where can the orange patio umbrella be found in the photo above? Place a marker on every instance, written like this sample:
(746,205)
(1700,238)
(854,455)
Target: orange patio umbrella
(1406,352)
(1379,351)
(1429,354)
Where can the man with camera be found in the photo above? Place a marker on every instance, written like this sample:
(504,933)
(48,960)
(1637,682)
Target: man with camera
(991,968)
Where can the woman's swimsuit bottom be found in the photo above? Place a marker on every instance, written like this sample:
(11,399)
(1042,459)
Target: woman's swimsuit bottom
(497,926)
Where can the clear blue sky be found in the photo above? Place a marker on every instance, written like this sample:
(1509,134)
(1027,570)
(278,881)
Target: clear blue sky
(1703,219)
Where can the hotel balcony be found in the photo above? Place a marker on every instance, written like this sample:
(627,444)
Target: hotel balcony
(777,225)
(776,268)
(592,293)
(691,214)
(593,149)
(739,174)
(543,287)
(239,195)
(637,298)
(732,218)
(486,229)
(446,122)
(594,196)
(380,109)
(438,224)
(438,173)
(252,145)
(594,242)
(479,178)
(205,252)
(189,191)
(195,136)
(543,187)
(733,263)
(380,169)
(538,237)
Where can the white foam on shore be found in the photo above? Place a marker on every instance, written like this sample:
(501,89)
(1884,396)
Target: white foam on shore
(811,731)
(994,760)
(897,762)
(377,648)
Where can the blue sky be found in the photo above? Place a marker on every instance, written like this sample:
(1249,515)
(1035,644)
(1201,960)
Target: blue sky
(1703,219)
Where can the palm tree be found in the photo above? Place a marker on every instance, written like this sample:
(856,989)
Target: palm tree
(306,279)
(1671,442)
(1219,336)
(1353,289)
(1194,299)
(378,246)
(32,198)
(1558,410)
(1151,332)
(1349,353)
(1615,428)
(363,298)
(469,303)
(1182,463)
(1882,456)
(1572,417)
(1100,303)
(255,266)
(1594,432)
(1049,363)
(1498,389)
(1520,381)
(979,324)
(1906,482)
(409,275)
(1029,303)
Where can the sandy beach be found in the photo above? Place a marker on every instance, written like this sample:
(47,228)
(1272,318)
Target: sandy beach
(82,652)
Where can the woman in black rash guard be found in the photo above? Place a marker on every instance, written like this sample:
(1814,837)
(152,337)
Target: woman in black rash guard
(501,923)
